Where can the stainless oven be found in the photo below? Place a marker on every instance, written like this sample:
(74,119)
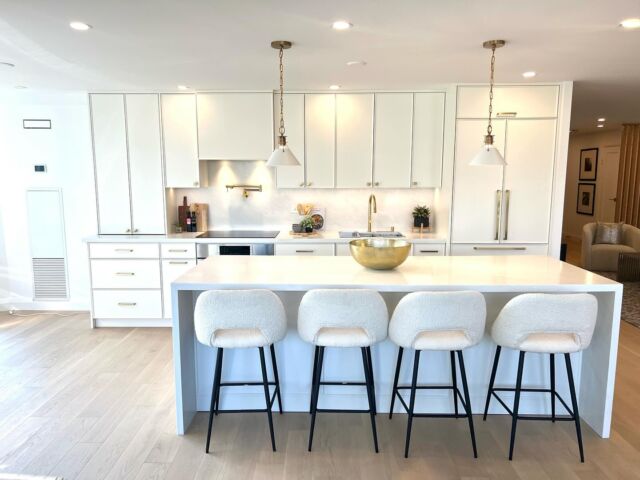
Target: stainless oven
(204,250)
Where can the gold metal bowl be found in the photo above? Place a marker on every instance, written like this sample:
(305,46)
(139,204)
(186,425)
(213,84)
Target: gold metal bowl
(380,253)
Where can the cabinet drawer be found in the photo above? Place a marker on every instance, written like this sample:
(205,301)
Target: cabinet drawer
(305,249)
(343,249)
(178,250)
(123,250)
(172,269)
(499,249)
(125,273)
(532,101)
(127,304)
(426,249)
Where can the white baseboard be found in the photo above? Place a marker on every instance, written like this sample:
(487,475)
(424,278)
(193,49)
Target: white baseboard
(7,305)
(132,322)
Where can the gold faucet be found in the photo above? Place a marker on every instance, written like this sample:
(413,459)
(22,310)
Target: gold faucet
(373,208)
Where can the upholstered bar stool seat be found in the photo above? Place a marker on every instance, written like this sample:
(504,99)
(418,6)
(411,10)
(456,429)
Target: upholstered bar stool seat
(342,318)
(549,324)
(450,321)
(241,319)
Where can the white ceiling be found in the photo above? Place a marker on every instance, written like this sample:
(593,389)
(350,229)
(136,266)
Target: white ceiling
(224,44)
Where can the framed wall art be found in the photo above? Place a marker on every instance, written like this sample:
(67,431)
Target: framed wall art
(588,164)
(586,198)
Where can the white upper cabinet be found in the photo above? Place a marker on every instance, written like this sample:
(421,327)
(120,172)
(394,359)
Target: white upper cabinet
(145,163)
(354,140)
(477,192)
(428,140)
(180,138)
(528,176)
(392,140)
(235,126)
(511,101)
(320,139)
(111,166)
(291,177)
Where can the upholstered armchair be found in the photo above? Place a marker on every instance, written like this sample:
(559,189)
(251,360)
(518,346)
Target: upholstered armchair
(603,257)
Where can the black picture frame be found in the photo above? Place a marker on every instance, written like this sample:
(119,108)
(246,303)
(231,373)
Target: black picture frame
(586,201)
(588,164)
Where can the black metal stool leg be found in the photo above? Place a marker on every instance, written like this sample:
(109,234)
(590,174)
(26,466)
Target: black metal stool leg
(315,394)
(516,405)
(395,381)
(552,374)
(454,381)
(373,383)
(313,375)
(370,397)
(412,402)
(214,391)
(265,382)
(574,404)
(467,402)
(494,370)
(217,406)
(276,377)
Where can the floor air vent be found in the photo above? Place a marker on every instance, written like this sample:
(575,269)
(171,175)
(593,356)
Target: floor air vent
(49,279)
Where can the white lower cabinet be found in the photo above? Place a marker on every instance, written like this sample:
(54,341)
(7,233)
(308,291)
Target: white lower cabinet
(135,273)
(429,249)
(172,269)
(123,304)
(343,250)
(312,249)
(499,249)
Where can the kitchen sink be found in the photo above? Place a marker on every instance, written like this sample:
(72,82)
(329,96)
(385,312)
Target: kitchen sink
(357,234)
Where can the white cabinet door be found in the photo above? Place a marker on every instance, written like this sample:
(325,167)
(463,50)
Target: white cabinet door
(111,165)
(320,140)
(354,140)
(180,138)
(428,140)
(528,177)
(392,140)
(145,164)
(476,189)
(525,101)
(172,269)
(291,177)
(235,126)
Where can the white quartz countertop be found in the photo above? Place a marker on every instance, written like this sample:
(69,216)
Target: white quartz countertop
(483,273)
(283,237)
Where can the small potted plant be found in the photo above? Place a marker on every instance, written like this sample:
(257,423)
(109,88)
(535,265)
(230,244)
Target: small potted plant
(421,215)
(306,224)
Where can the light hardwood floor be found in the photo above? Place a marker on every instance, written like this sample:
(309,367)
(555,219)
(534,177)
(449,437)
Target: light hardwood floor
(94,404)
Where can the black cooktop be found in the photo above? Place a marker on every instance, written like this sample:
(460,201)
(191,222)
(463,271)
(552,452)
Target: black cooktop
(239,234)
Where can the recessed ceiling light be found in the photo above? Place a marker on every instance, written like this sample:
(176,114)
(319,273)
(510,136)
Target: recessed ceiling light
(334,87)
(529,74)
(356,63)
(600,126)
(183,87)
(601,119)
(630,23)
(7,64)
(341,25)
(81,26)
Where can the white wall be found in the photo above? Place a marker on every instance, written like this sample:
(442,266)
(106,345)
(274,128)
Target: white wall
(573,222)
(66,150)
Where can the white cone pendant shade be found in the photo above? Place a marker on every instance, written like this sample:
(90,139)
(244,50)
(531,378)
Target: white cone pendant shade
(282,156)
(489,155)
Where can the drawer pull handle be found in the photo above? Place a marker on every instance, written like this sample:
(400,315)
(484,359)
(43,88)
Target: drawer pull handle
(127,304)
(305,251)
(177,250)
(506,114)
(178,263)
(125,274)
(128,250)
(499,248)
(429,251)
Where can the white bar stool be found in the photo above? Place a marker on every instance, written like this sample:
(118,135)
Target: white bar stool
(449,321)
(241,319)
(543,323)
(343,318)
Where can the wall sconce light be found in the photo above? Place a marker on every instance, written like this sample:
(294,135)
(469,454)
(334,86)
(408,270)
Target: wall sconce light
(245,188)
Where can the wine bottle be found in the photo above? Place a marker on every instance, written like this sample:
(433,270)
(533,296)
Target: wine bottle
(189,227)
(194,222)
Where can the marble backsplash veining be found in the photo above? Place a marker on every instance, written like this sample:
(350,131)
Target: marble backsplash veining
(273,208)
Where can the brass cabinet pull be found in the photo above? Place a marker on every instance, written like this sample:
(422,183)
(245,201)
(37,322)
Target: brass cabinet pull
(506,114)
(368,184)
(429,251)
(309,184)
(176,250)
(376,184)
(128,250)
(414,183)
(499,248)
(127,304)
(507,195)
(302,184)
(125,274)
(178,263)
(498,207)
(305,251)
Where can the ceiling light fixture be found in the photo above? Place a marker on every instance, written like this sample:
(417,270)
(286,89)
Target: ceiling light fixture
(80,26)
(489,155)
(529,74)
(282,155)
(7,64)
(356,63)
(341,25)
(630,23)
(600,126)
(183,87)
(601,119)
(334,87)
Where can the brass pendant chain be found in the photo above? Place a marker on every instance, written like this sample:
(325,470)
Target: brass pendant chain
(281,128)
(493,63)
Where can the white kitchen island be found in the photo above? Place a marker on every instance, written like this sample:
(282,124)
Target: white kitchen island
(499,278)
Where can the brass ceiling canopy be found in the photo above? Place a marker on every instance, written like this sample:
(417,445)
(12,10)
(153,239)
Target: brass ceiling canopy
(489,44)
(281,44)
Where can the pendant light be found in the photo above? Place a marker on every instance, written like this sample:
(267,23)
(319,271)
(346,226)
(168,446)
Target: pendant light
(489,155)
(282,155)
